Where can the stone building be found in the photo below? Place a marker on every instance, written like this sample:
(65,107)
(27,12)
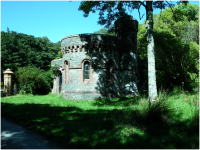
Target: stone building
(96,65)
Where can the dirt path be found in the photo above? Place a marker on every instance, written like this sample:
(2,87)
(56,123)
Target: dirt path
(14,136)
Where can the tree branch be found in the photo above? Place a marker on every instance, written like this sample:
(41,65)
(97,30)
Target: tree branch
(139,12)
(128,8)
(172,10)
(142,3)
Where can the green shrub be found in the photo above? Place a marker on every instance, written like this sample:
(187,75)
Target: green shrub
(177,90)
(32,80)
(48,77)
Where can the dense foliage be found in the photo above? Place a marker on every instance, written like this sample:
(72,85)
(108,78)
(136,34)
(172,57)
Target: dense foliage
(19,50)
(32,80)
(176,46)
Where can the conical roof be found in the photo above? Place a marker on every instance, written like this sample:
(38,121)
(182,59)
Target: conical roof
(8,71)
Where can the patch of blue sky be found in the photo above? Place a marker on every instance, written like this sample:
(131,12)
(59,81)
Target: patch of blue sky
(53,19)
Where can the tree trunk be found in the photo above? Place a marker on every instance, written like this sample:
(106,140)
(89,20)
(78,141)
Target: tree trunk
(152,88)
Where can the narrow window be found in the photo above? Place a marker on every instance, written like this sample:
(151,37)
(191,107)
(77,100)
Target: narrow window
(60,82)
(86,70)
(66,71)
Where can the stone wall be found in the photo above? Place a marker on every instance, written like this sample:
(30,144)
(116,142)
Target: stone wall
(98,50)
(112,62)
(76,50)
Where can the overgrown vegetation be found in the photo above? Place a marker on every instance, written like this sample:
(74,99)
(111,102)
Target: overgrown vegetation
(176,37)
(33,80)
(125,122)
(21,50)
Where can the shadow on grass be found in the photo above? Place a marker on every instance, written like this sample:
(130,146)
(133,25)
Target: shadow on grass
(125,128)
(120,101)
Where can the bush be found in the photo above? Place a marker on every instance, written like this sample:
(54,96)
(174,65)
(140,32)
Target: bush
(32,80)
(48,76)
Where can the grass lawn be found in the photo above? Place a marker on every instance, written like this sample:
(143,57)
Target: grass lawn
(110,123)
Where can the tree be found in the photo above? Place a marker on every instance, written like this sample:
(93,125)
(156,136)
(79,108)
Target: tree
(179,44)
(104,31)
(19,50)
(114,10)
(32,80)
(10,51)
(57,46)
(176,47)
(189,10)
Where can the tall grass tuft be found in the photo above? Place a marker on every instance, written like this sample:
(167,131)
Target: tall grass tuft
(159,111)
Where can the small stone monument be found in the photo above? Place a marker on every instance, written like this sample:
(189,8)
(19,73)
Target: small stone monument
(8,85)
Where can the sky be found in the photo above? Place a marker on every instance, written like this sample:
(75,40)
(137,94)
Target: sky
(53,19)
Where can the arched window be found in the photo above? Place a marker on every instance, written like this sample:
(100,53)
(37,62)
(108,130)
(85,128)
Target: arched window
(110,70)
(86,72)
(66,67)
(60,82)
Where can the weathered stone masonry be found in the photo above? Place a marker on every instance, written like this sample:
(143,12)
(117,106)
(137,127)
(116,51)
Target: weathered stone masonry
(94,66)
